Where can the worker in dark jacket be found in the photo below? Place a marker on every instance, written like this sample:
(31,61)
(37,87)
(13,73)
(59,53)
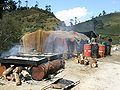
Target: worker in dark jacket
(110,41)
(109,45)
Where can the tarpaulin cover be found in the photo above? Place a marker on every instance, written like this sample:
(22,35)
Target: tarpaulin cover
(53,41)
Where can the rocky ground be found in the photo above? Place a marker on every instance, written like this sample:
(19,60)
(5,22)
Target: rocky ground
(105,77)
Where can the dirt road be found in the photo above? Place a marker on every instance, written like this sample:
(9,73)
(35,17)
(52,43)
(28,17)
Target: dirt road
(105,77)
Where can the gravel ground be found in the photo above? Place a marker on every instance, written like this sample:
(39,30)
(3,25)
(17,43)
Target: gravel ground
(105,77)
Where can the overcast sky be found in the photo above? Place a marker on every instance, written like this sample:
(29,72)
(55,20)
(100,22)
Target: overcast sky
(82,9)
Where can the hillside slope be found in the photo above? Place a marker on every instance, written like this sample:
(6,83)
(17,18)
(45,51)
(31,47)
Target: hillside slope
(16,23)
(111,26)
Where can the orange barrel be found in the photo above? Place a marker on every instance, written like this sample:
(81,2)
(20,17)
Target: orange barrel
(101,50)
(87,50)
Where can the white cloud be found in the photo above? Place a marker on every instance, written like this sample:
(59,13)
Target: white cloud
(66,15)
(114,2)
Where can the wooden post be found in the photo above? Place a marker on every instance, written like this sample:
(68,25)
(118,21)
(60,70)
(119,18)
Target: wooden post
(17,79)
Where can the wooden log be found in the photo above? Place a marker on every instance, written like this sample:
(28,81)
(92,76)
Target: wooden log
(93,63)
(2,69)
(81,57)
(17,79)
(43,70)
(86,62)
(7,71)
(81,61)
(18,69)
(10,77)
(76,60)
(25,74)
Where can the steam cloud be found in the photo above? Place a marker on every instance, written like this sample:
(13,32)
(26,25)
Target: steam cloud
(66,15)
(13,51)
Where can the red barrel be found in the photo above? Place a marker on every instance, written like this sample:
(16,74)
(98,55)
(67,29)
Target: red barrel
(101,50)
(87,50)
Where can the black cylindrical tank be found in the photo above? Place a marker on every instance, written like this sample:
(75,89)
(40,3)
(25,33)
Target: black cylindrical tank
(94,50)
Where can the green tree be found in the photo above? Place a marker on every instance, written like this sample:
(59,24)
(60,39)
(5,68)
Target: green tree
(36,5)
(71,22)
(104,13)
(75,20)
(12,5)
(100,14)
(94,23)
(10,32)
(97,24)
(1,8)
(48,8)
(26,3)
(19,3)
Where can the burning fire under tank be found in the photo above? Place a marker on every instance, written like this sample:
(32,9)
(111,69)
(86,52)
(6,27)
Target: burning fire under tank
(40,65)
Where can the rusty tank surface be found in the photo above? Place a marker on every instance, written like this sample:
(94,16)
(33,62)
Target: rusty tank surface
(51,67)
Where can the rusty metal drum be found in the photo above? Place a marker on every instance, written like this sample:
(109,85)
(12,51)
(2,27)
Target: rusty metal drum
(87,50)
(94,50)
(101,50)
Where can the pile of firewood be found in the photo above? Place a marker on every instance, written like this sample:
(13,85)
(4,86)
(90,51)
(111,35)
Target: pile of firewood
(86,61)
(16,73)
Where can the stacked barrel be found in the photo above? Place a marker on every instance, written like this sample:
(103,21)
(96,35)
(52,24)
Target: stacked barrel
(87,50)
(101,50)
(94,50)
